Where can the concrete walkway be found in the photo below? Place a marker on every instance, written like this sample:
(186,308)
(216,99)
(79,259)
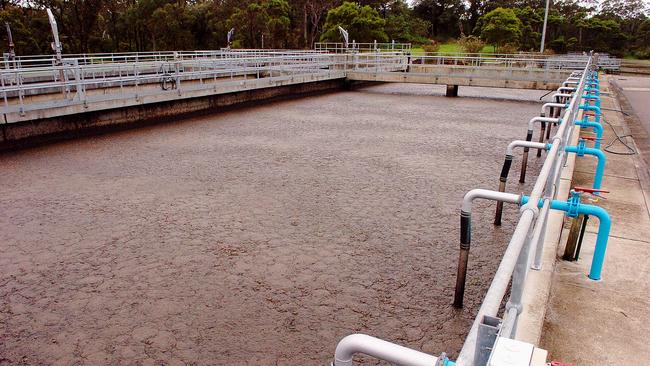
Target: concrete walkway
(607,322)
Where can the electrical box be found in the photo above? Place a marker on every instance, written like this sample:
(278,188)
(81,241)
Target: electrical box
(510,352)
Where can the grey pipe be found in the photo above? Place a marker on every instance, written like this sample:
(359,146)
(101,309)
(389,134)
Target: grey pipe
(466,234)
(529,136)
(507,163)
(383,350)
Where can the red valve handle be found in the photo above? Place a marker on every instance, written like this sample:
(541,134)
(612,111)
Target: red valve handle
(589,190)
(558,363)
(590,138)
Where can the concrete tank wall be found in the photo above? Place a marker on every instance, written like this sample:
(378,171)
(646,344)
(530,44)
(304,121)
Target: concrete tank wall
(30,133)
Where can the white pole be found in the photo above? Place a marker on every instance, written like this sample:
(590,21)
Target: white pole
(541,47)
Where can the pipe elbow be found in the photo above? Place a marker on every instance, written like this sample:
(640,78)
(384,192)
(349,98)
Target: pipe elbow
(487,194)
(604,220)
(375,347)
(597,153)
(520,143)
(532,121)
(469,198)
(511,148)
(348,346)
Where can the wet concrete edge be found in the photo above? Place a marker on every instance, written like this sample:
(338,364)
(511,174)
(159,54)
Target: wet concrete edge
(16,136)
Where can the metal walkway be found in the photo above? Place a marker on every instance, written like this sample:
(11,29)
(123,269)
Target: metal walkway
(39,87)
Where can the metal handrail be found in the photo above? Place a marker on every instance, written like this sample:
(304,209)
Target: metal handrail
(545,189)
(75,75)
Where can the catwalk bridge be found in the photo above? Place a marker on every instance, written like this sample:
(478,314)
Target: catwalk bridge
(42,87)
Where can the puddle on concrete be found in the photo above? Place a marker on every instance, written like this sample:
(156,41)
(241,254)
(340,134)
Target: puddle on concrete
(260,236)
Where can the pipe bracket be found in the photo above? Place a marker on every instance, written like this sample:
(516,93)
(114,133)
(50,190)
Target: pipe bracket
(529,206)
(518,306)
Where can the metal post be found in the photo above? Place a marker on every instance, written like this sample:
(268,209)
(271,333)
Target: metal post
(12,53)
(56,46)
(541,47)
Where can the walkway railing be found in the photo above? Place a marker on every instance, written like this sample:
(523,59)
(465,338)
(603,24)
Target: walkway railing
(130,75)
(354,47)
(111,77)
(528,237)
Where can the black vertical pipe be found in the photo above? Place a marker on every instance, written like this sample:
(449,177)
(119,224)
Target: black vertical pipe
(582,235)
(502,188)
(524,159)
(463,256)
(541,136)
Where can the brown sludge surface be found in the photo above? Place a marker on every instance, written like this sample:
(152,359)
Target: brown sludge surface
(260,236)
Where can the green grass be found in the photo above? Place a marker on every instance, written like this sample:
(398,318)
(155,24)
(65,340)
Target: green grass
(417,51)
(488,49)
(450,48)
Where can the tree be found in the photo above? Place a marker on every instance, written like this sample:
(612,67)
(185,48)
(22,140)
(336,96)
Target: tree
(531,22)
(250,23)
(363,23)
(443,15)
(500,26)
(173,23)
(402,26)
(278,22)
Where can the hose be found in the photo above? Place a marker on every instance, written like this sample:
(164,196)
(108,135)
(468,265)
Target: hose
(619,138)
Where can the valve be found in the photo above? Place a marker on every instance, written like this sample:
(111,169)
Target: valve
(593,192)
(574,204)
(590,138)
(590,190)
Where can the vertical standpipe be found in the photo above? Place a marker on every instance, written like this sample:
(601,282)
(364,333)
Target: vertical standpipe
(466,234)
(463,257)
(503,179)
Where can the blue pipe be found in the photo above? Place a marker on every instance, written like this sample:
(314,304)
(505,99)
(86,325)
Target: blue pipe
(592,97)
(597,127)
(594,108)
(581,150)
(603,230)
